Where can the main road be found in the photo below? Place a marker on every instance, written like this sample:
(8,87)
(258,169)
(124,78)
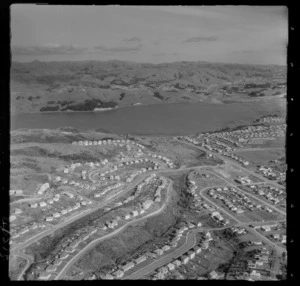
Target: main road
(96,241)
(189,243)
(77,216)
(16,250)
(233,163)
(248,194)
(128,188)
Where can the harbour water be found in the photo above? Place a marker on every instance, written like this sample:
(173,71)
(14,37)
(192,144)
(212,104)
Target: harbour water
(162,119)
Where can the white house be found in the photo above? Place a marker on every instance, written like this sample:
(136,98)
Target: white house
(43,188)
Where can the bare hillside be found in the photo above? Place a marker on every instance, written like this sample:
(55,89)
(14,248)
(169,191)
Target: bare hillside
(83,86)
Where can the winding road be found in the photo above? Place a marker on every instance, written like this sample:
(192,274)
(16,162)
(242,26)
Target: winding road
(190,239)
(94,242)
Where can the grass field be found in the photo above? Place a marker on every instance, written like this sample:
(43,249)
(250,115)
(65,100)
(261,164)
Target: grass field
(231,173)
(260,156)
(266,143)
(16,264)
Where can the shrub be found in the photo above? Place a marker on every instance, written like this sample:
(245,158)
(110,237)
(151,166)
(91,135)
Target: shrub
(50,108)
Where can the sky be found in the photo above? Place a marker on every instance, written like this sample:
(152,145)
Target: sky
(150,34)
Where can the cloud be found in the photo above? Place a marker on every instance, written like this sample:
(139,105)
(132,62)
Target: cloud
(133,39)
(47,49)
(244,52)
(159,41)
(165,54)
(120,49)
(201,39)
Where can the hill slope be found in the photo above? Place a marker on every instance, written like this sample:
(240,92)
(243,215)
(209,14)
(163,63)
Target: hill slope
(84,86)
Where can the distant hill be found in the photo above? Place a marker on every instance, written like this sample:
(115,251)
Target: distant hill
(83,86)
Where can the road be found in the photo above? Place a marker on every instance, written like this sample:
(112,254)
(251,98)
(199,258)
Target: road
(259,149)
(189,243)
(33,239)
(29,261)
(248,194)
(216,206)
(25,200)
(17,248)
(256,233)
(88,211)
(233,163)
(79,215)
(96,241)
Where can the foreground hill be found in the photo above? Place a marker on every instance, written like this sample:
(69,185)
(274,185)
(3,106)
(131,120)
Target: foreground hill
(84,86)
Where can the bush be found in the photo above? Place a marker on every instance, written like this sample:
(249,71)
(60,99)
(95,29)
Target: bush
(157,95)
(90,105)
(50,108)
(122,95)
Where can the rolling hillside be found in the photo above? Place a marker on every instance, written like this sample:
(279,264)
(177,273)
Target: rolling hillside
(83,86)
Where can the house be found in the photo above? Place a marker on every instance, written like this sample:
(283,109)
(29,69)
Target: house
(171,266)
(165,248)
(43,188)
(150,255)
(119,273)
(191,254)
(135,213)
(64,256)
(49,218)
(74,243)
(191,225)
(266,227)
(205,245)
(18,192)
(158,251)
(108,277)
(198,249)
(159,275)
(24,230)
(34,205)
(57,262)
(164,270)
(127,216)
(51,268)
(177,263)
(184,259)
(265,251)
(42,204)
(140,259)
(255,274)
(18,211)
(257,242)
(259,263)
(147,204)
(213,275)
(128,266)
(12,218)
(69,249)
(173,243)
(93,231)
(56,215)
(44,276)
